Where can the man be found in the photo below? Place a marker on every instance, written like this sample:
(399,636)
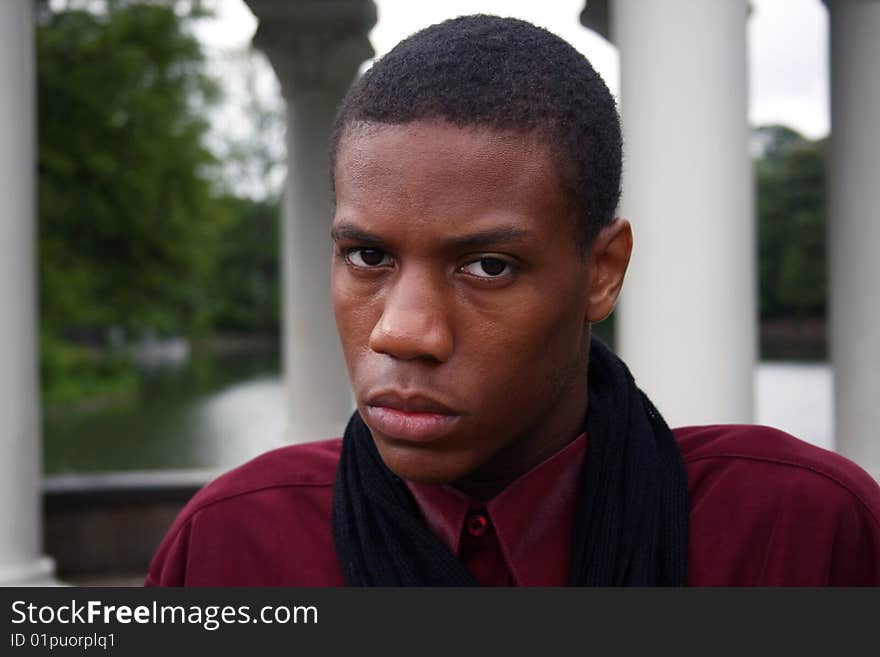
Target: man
(476,174)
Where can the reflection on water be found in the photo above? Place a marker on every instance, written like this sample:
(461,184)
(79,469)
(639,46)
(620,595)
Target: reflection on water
(217,412)
(213,412)
(240,422)
(797,398)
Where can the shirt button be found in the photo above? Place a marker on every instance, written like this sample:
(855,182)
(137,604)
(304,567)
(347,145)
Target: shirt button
(476,524)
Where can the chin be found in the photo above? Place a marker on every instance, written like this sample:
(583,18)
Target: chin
(422,465)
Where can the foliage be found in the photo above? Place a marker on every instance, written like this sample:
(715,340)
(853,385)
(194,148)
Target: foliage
(246,285)
(127,216)
(776,141)
(138,233)
(791,225)
(72,373)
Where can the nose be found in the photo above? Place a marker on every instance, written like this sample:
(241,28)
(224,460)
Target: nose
(414,322)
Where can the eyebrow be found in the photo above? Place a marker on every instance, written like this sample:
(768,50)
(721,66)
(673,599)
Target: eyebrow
(486,238)
(348,231)
(478,240)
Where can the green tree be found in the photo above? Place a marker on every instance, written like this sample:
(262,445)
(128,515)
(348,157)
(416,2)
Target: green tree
(776,141)
(791,225)
(128,222)
(246,286)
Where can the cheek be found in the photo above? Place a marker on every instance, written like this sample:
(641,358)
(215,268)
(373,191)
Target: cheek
(546,317)
(524,351)
(355,315)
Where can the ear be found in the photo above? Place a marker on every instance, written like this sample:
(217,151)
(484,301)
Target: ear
(609,258)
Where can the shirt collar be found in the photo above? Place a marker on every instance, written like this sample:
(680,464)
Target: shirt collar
(533,517)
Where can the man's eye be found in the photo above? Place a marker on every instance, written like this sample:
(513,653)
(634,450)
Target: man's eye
(367,258)
(487,267)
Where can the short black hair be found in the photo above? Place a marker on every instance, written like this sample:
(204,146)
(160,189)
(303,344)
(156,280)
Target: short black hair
(505,74)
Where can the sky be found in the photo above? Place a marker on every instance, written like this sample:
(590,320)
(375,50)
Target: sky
(787,47)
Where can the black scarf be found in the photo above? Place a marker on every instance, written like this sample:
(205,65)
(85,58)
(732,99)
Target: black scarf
(631,527)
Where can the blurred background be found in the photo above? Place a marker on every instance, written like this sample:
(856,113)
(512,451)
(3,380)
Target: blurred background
(181,231)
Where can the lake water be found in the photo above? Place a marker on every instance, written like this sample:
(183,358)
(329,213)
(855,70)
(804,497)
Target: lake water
(215,413)
(797,398)
(212,413)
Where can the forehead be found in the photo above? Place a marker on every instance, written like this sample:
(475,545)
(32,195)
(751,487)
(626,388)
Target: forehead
(430,171)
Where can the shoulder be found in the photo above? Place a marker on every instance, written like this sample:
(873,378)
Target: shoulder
(769,509)
(306,465)
(790,461)
(267,522)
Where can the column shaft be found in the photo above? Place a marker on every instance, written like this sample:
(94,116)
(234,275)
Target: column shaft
(316,48)
(20,464)
(318,390)
(687,318)
(854,222)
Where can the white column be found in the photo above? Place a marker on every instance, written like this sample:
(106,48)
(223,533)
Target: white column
(317,386)
(21,538)
(687,320)
(316,49)
(854,221)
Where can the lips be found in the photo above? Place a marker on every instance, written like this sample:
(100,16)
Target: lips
(414,418)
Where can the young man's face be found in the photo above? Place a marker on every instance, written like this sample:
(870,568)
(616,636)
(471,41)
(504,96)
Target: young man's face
(461,298)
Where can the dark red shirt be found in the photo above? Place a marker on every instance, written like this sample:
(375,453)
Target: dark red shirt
(522,537)
(766,509)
